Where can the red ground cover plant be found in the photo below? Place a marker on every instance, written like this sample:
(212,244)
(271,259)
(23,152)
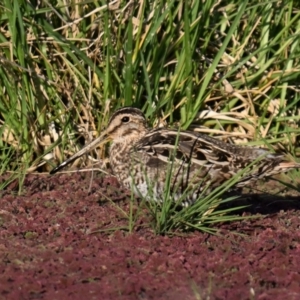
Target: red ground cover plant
(62,238)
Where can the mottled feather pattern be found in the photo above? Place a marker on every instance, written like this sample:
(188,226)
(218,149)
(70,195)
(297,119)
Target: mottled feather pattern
(143,158)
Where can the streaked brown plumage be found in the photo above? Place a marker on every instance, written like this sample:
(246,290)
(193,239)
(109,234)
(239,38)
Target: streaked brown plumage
(141,158)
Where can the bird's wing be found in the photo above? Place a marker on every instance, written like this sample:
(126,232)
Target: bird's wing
(194,147)
(218,158)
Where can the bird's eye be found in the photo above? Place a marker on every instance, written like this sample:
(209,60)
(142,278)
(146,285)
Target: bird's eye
(125,119)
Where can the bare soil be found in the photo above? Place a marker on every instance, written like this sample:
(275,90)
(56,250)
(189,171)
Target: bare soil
(62,238)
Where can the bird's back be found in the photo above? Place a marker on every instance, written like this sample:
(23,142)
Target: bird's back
(198,162)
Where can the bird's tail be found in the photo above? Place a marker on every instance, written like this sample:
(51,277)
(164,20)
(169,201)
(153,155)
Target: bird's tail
(285,166)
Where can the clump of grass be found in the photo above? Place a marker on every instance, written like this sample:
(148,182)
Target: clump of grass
(173,212)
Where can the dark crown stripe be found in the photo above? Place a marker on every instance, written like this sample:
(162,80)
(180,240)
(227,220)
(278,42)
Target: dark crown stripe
(128,110)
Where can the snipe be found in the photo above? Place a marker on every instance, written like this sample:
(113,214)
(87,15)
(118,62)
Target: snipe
(141,158)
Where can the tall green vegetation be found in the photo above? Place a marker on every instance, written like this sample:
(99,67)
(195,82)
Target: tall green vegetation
(229,67)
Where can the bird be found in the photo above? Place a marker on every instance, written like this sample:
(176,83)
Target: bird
(189,164)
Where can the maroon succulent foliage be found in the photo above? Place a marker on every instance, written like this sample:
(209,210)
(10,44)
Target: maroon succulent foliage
(67,236)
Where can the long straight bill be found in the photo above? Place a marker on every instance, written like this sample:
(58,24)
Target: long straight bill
(98,141)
